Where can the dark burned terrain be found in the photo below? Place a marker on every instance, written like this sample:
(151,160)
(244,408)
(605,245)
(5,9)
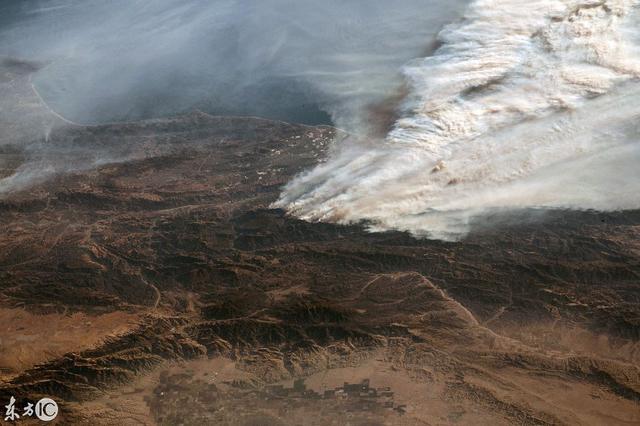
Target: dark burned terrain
(150,283)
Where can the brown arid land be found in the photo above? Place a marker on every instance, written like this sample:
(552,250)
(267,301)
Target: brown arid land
(145,280)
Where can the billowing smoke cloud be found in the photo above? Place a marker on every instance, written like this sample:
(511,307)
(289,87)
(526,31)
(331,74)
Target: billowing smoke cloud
(526,104)
(522,104)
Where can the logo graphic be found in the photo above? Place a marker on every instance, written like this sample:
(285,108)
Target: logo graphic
(46,409)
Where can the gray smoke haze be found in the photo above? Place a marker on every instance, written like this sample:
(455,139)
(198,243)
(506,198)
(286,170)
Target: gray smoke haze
(296,60)
(460,107)
(121,60)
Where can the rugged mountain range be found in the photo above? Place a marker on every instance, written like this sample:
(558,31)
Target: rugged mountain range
(145,280)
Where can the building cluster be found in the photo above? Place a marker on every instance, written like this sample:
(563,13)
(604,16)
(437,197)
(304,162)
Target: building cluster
(361,394)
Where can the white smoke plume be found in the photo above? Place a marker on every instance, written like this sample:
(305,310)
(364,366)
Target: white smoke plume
(526,104)
(523,103)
